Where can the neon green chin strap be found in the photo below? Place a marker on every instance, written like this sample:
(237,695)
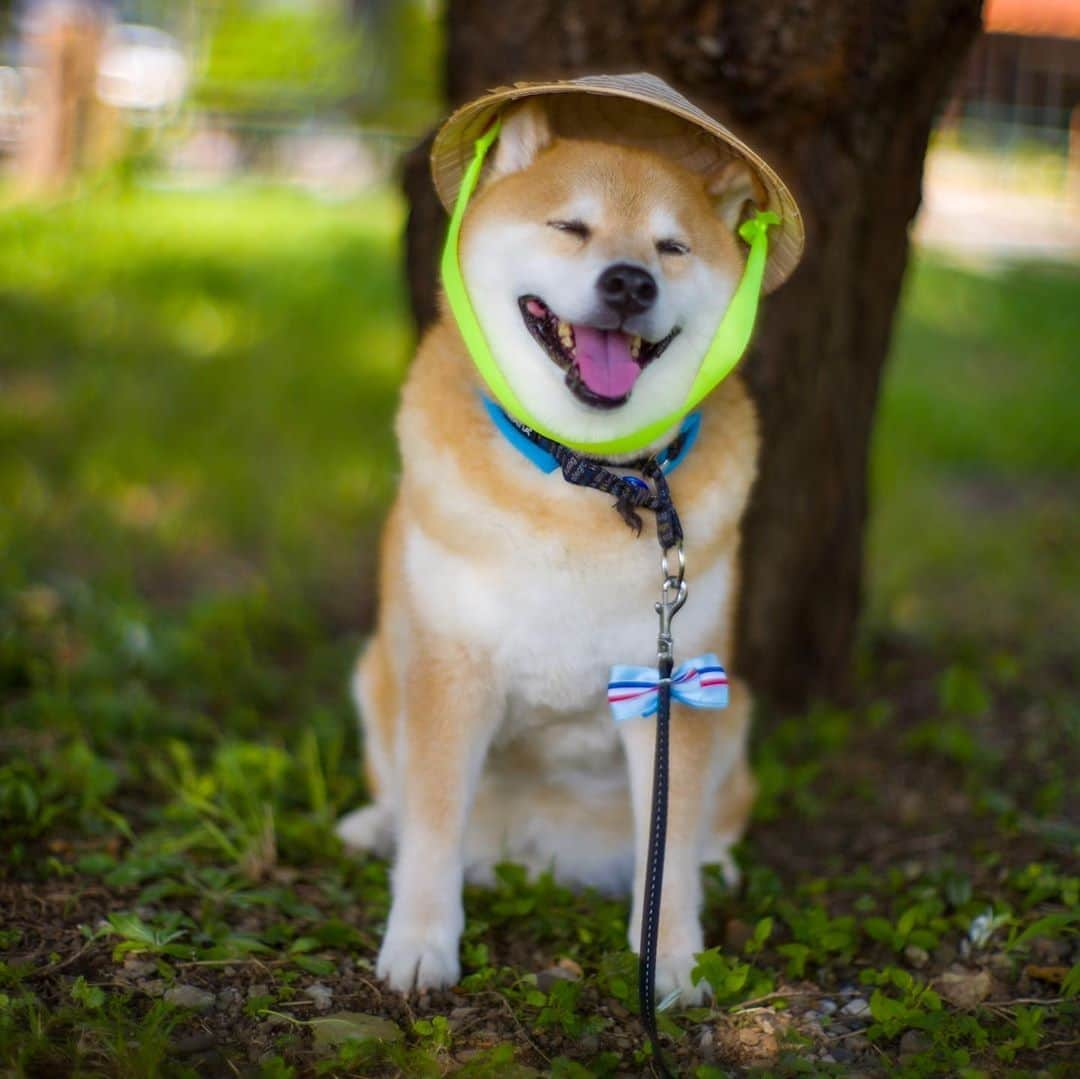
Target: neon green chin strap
(728,344)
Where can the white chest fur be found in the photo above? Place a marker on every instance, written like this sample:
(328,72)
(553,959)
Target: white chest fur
(553,619)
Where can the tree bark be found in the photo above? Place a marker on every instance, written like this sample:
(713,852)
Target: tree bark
(840,95)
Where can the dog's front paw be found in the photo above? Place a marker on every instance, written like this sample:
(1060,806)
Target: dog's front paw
(673,973)
(411,959)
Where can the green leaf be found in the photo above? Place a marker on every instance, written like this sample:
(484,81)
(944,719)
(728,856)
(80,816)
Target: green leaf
(1052,925)
(762,932)
(962,692)
(354,1026)
(878,928)
(886,1009)
(314,965)
(796,955)
(730,979)
(138,936)
(907,921)
(89,996)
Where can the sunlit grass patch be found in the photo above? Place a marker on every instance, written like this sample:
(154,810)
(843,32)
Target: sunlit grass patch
(192,381)
(974,521)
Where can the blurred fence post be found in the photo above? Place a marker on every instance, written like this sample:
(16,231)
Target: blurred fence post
(64,41)
(1072,168)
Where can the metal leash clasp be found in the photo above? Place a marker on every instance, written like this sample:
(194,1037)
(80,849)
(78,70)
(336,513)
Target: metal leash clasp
(673,592)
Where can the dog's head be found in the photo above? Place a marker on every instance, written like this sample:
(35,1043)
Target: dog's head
(599,273)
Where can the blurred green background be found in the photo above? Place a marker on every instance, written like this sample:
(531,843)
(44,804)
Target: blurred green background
(201,342)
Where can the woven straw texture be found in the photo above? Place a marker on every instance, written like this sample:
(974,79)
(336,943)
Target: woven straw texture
(639,110)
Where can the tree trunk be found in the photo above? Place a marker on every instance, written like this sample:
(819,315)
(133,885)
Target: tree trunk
(840,96)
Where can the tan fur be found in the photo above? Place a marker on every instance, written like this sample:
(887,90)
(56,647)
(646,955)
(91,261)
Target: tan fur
(460,756)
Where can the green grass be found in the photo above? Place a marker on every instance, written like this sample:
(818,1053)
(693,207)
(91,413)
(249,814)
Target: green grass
(976,523)
(198,381)
(196,394)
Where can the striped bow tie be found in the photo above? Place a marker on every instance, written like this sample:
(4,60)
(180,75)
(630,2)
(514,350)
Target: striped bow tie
(700,683)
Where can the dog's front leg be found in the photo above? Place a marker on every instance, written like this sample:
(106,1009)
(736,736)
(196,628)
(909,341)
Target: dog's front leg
(694,769)
(451,711)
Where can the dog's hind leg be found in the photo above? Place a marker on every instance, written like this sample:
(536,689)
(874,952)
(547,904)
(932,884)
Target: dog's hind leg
(375,692)
(734,793)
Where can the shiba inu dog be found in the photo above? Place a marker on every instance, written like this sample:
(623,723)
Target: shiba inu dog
(599,273)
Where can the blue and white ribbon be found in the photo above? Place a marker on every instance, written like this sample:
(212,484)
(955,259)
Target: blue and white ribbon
(633,692)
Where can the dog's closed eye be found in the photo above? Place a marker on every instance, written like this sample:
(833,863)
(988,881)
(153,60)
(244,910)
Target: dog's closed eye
(575,228)
(672,247)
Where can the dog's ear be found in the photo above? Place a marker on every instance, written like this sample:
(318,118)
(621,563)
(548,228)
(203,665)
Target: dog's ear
(730,187)
(524,133)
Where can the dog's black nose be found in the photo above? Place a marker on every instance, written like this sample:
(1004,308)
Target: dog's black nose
(627,289)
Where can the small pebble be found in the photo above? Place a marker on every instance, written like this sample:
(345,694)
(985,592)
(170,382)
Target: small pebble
(189,996)
(229,999)
(547,978)
(139,968)
(855,1008)
(572,968)
(913,1042)
(758,1040)
(1001,963)
(965,988)
(258,990)
(322,995)
(189,1044)
(916,956)
(827,1007)
(857,1043)
(1049,950)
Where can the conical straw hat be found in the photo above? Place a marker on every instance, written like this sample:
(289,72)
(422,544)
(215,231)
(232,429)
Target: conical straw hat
(639,110)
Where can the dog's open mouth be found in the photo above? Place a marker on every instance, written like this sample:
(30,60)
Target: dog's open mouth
(601,365)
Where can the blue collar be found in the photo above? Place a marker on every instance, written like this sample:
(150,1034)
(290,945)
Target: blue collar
(544,461)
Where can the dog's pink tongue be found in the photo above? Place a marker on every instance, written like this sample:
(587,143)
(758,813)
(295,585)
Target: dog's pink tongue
(604,360)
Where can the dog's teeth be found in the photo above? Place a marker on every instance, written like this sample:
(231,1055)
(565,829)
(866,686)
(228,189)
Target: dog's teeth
(566,334)
(635,347)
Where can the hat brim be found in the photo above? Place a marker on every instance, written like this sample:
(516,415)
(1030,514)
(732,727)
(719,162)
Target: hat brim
(650,114)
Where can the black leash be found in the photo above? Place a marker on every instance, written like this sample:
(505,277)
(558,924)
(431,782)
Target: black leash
(654,869)
(631,495)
